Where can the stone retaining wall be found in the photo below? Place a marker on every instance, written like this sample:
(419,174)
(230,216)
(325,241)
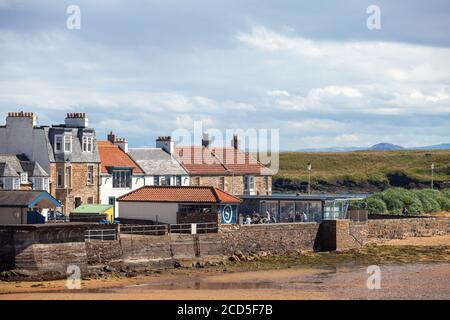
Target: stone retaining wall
(275,238)
(402,228)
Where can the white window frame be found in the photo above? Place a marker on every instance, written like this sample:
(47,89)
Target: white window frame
(16,183)
(88,143)
(69,137)
(126,175)
(61,147)
(249,184)
(24,177)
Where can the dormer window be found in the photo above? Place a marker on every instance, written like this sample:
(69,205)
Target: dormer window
(67,143)
(24,177)
(87,143)
(63,143)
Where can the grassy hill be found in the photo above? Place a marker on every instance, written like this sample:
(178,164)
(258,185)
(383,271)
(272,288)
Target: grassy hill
(363,170)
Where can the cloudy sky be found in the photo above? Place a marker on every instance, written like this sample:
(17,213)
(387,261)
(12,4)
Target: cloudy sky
(311,69)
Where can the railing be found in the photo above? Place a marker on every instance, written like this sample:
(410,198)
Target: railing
(205,227)
(357,215)
(100,234)
(154,230)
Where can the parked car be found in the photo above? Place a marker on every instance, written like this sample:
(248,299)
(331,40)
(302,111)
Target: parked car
(56,216)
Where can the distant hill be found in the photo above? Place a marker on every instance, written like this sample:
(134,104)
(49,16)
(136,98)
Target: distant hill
(435,147)
(383,146)
(362,171)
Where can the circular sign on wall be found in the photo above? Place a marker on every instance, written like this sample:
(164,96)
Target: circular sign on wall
(227,214)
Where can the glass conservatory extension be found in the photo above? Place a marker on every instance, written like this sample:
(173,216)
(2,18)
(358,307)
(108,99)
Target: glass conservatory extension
(297,208)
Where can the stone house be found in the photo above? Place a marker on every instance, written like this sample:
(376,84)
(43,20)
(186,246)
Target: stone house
(227,168)
(66,152)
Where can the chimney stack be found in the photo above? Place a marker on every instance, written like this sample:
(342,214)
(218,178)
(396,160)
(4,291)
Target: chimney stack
(206,140)
(76,120)
(111,137)
(235,141)
(166,143)
(122,143)
(21,119)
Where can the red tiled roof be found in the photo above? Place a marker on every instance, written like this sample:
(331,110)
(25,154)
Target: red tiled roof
(199,160)
(238,161)
(179,194)
(113,156)
(218,161)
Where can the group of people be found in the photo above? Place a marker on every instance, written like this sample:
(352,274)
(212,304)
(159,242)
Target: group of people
(256,218)
(297,216)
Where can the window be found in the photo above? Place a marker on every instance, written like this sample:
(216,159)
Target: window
(249,183)
(165,180)
(266,183)
(23,177)
(90,200)
(122,179)
(67,143)
(156,180)
(87,144)
(222,183)
(178,180)
(59,178)
(58,143)
(68,178)
(16,183)
(45,183)
(90,174)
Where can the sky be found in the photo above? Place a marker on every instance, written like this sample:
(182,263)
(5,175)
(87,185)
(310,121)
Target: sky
(311,69)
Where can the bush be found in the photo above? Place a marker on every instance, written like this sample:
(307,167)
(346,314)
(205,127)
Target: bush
(429,199)
(376,205)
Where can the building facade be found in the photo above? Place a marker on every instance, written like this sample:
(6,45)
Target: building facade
(66,152)
(227,168)
(119,173)
(160,166)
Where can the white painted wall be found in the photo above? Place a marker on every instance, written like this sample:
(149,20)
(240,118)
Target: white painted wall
(19,136)
(155,211)
(107,190)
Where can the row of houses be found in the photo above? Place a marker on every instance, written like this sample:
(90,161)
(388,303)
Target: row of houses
(76,167)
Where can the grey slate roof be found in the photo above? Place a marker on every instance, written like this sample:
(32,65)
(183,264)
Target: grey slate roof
(34,169)
(7,171)
(155,161)
(77,155)
(12,165)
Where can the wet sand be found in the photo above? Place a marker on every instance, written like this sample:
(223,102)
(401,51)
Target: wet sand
(410,281)
(422,273)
